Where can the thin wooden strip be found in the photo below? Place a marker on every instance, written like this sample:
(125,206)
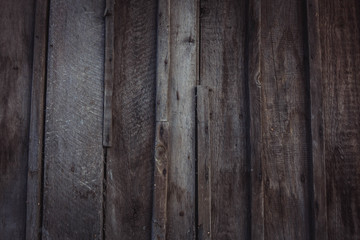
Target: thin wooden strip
(204,162)
(73,157)
(317,122)
(160,181)
(35,157)
(183,71)
(109,72)
(254,88)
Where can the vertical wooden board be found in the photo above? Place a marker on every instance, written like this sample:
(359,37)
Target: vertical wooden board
(283,106)
(16,42)
(37,114)
(317,122)
(222,70)
(340,41)
(130,159)
(73,174)
(183,72)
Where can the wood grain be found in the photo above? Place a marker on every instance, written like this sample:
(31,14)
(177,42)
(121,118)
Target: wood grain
(130,159)
(73,174)
(340,58)
(37,114)
(183,74)
(284,127)
(222,70)
(16,42)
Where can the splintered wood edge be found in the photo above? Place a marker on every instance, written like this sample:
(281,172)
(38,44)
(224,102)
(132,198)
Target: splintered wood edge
(108,72)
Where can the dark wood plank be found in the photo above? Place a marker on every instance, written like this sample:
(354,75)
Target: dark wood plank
(222,70)
(317,121)
(253,70)
(73,173)
(340,52)
(130,159)
(161,166)
(36,134)
(283,120)
(16,43)
(183,76)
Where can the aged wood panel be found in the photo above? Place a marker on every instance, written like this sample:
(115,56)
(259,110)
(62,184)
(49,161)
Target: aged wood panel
(183,75)
(222,71)
(73,172)
(317,123)
(130,159)
(283,120)
(161,155)
(254,101)
(340,48)
(16,42)
(36,133)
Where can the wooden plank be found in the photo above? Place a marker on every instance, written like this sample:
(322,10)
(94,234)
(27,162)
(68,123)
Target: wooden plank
(73,172)
(109,72)
(317,122)
(16,42)
(130,159)
(340,52)
(36,133)
(253,70)
(161,169)
(222,69)
(183,75)
(204,163)
(284,126)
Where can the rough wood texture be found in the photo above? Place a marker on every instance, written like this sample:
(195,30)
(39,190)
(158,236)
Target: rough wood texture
(109,72)
(183,72)
(204,161)
(255,154)
(283,106)
(222,70)
(36,134)
(161,169)
(130,159)
(16,42)
(73,174)
(317,123)
(340,48)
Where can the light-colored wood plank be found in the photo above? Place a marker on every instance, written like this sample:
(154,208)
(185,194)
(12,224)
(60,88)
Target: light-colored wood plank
(37,114)
(73,172)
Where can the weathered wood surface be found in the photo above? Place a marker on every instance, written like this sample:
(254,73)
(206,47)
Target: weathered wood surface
(161,155)
(340,48)
(36,132)
(222,70)
(181,146)
(73,172)
(130,159)
(283,120)
(16,43)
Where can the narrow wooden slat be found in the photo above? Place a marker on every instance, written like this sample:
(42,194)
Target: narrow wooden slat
(73,160)
(129,164)
(204,163)
(161,169)
(255,118)
(283,120)
(36,141)
(16,43)
(222,61)
(183,74)
(340,60)
(109,72)
(317,123)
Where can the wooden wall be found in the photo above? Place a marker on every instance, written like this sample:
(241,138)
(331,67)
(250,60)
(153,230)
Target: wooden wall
(193,119)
